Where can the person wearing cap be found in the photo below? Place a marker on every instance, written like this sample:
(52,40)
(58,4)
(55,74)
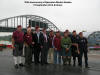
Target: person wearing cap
(17,45)
(38,39)
(44,50)
(83,48)
(29,43)
(66,51)
(74,47)
(51,49)
(57,48)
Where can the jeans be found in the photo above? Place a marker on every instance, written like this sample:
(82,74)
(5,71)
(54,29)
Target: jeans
(57,57)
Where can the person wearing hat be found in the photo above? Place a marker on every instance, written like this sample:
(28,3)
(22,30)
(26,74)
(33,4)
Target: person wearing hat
(57,48)
(17,45)
(66,49)
(39,41)
(29,43)
(74,47)
(83,48)
(44,50)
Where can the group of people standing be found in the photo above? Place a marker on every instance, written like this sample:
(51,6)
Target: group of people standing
(48,48)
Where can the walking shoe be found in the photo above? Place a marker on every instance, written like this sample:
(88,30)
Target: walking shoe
(69,64)
(74,64)
(16,66)
(32,61)
(80,66)
(64,64)
(87,67)
(46,63)
(42,64)
(21,65)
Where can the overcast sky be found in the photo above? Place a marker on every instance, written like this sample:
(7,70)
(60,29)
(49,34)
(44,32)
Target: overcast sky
(79,15)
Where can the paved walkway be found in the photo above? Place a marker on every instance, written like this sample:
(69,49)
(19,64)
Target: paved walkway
(7,68)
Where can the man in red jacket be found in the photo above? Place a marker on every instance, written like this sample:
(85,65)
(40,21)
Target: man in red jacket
(17,44)
(57,48)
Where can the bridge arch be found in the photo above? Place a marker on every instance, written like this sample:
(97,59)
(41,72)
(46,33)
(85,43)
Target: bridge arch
(9,24)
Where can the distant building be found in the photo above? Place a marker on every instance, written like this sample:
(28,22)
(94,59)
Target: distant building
(94,38)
